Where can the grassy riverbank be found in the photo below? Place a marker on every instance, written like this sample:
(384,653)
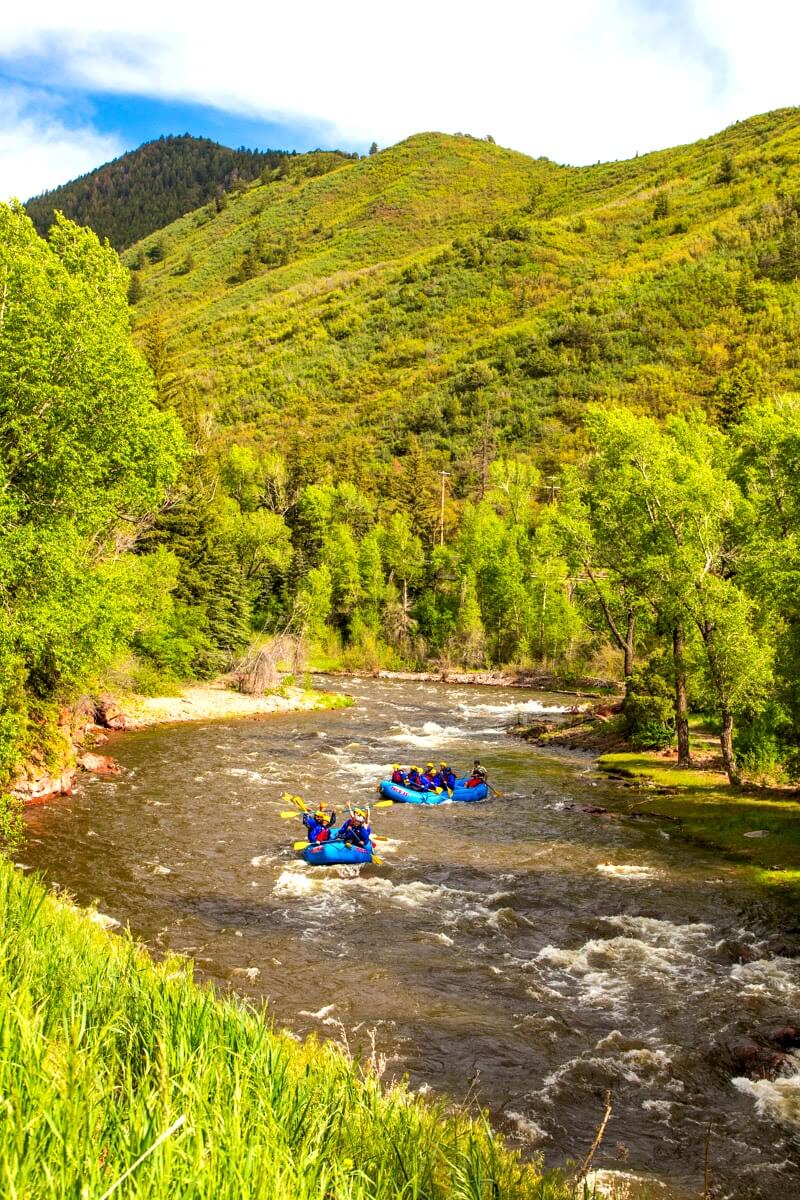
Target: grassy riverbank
(711,812)
(102,1051)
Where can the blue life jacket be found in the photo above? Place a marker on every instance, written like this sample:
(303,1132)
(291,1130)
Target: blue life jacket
(315,827)
(359,835)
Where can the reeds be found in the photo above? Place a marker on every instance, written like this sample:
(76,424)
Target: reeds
(101,1051)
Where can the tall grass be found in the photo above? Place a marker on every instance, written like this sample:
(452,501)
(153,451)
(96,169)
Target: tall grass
(101,1051)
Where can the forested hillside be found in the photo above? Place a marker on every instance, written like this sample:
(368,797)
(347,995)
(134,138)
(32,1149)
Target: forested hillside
(139,192)
(388,370)
(445,279)
(449,403)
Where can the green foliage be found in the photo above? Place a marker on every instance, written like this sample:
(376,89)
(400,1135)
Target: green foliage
(12,826)
(648,707)
(86,458)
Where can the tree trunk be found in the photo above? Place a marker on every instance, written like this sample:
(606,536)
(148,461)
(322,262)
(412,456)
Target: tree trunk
(627,668)
(681,704)
(726,742)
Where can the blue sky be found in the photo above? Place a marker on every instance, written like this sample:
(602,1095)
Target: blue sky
(578,81)
(135,119)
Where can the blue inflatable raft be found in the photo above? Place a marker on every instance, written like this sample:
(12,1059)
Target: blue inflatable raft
(332,854)
(406,795)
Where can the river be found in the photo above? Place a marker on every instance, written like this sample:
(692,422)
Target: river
(519,952)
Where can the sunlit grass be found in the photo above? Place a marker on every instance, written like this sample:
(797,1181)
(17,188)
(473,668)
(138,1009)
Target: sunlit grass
(101,1051)
(712,812)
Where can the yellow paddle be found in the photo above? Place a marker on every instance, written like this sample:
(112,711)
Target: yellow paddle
(291,815)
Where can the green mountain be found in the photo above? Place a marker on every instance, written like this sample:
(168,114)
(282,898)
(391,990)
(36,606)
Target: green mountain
(142,191)
(454,291)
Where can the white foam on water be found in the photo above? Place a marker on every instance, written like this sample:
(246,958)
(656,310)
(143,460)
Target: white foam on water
(661,1109)
(429,735)
(510,708)
(640,1066)
(660,933)
(449,906)
(775,1099)
(251,776)
(294,883)
(620,1185)
(364,772)
(628,870)
(648,952)
(247,972)
(769,977)
(527,1129)
(323,1012)
(258,860)
(104,920)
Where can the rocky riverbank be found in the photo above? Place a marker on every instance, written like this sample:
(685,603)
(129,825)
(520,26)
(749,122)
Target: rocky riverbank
(92,721)
(594,728)
(538,680)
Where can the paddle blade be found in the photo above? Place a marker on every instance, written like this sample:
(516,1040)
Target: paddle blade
(300,845)
(298,800)
(383,804)
(286,816)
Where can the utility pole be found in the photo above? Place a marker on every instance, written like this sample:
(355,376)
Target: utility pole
(445,475)
(552,489)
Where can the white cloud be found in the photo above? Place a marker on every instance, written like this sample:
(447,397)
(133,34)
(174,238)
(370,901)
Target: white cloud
(38,151)
(578,80)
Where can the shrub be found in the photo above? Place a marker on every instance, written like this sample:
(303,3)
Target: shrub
(649,717)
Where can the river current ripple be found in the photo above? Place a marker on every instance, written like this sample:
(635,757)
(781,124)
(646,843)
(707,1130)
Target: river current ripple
(521,952)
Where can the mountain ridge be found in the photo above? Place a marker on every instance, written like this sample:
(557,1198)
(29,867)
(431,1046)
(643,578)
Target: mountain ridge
(149,187)
(409,293)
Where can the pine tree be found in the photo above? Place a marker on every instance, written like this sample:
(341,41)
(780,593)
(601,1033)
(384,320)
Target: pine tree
(661,208)
(727,171)
(373,149)
(789,252)
(249,267)
(135,289)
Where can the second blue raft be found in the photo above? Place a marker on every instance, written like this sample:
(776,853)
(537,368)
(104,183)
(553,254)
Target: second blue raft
(406,795)
(331,854)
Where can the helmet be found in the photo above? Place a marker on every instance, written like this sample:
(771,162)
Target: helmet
(321,814)
(415,768)
(477,762)
(360,814)
(442,764)
(429,766)
(321,806)
(395,766)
